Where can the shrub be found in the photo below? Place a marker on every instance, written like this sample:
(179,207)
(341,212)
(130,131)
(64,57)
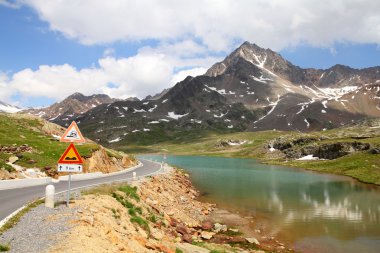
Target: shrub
(141,222)
(130,191)
(4,248)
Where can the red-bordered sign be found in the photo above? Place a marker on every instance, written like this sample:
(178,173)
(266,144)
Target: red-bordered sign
(72,134)
(70,156)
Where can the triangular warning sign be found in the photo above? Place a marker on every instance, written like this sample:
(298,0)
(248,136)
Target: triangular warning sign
(71,156)
(72,134)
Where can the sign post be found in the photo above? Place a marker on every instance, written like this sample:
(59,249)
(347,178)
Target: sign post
(70,160)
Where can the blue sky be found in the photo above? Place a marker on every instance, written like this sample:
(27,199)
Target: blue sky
(49,50)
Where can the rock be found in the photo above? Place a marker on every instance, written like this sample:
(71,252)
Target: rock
(189,248)
(163,248)
(182,229)
(143,233)
(207,225)
(374,151)
(13,159)
(156,234)
(235,230)
(219,228)
(31,161)
(187,238)
(173,222)
(207,235)
(252,240)
(88,219)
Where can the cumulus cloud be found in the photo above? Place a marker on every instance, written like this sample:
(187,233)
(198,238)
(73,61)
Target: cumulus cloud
(217,23)
(191,36)
(146,73)
(181,75)
(5,90)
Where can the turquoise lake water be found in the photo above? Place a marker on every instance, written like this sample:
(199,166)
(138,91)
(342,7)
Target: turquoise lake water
(314,212)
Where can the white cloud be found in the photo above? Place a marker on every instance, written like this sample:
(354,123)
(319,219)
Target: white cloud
(217,23)
(5,90)
(148,72)
(190,35)
(181,75)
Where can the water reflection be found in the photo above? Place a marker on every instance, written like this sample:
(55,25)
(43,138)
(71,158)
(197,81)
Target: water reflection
(304,207)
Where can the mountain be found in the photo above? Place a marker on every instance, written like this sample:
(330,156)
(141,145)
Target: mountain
(4,107)
(63,112)
(251,89)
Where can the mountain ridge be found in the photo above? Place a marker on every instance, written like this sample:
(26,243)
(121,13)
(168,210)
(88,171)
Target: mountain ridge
(252,89)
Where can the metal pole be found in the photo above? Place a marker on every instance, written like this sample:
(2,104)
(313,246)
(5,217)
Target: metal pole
(68,191)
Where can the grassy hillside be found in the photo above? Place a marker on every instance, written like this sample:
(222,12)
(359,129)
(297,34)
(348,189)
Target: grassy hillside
(362,165)
(17,130)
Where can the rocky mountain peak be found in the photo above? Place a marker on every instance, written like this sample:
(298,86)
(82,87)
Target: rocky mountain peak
(77,103)
(265,59)
(76,95)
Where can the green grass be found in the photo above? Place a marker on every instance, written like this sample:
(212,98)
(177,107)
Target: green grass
(152,218)
(6,167)
(141,222)
(133,211)
(19,129)
(130,191)
(15,219)
(177,250)
(361,165)
(4,248)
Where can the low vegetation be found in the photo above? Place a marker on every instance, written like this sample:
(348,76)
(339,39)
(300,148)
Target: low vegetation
(45,150)
(4,248)
(363,165)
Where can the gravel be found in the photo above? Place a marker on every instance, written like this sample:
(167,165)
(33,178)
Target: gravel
(39,229)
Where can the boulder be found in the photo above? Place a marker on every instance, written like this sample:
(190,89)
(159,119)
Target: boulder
(187,238)
(182,229)
(252,240)
(207,235)
(219,228)
(207,225)
(13,159)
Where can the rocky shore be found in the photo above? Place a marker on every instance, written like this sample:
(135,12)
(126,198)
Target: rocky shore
(156,214)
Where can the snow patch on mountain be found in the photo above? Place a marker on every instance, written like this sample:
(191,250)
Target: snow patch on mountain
(274,104)
(307,123)
(221,115)
(176,116)
(115,140)
(152,109)
(138,110)
(9,108)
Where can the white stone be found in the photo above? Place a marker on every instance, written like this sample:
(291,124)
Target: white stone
(49,196)
(252,240)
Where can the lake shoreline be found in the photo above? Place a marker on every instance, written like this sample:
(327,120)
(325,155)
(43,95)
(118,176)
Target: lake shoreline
(302,201)
(274,162)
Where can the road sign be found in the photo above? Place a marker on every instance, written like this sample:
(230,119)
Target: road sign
(70,156)
(72,134)
(70,167)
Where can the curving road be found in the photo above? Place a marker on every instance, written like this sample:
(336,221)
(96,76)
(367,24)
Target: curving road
(13,199)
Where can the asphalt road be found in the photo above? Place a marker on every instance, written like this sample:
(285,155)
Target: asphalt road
(13,199)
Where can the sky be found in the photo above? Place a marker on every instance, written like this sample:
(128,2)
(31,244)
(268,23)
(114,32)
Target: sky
(134,48)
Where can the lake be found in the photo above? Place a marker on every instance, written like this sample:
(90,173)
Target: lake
(314,212)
